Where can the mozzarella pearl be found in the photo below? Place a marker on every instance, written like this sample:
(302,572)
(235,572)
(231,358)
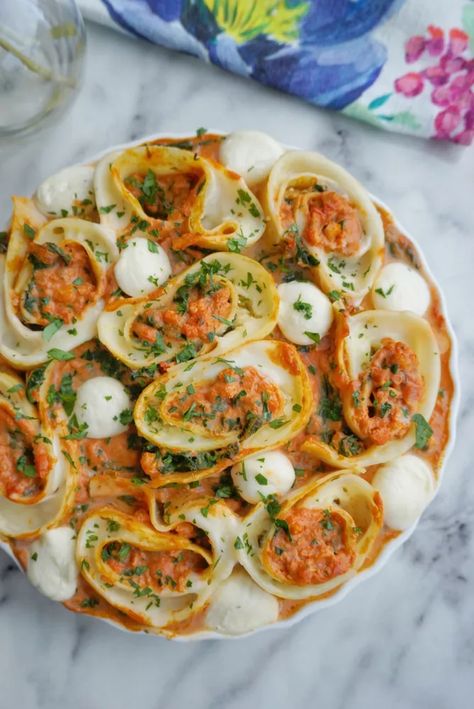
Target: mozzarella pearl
(239,606)
(270,473)
(57,194)
(250,153)
(51,564)
(99,403)
(399,287)
(140,269)
(406,485)
(303,308)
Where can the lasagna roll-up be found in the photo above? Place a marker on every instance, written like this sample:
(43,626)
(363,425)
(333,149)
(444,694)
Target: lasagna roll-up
(156,577)
(315,540)
(316,202)
(220,410)
(175,193)
(54,281)
(215,305)
(36,479)
(387,376)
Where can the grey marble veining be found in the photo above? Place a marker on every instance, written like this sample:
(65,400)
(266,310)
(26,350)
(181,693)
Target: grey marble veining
(405,638)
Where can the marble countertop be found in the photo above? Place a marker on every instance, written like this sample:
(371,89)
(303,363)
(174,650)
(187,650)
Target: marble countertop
(402,639)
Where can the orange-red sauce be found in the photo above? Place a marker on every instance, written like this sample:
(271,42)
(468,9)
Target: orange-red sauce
(155,569)
(314,547)
(24,462)
(387,392)
(235,399)
(331,222)
(164,197)
(203,317)
(62,285)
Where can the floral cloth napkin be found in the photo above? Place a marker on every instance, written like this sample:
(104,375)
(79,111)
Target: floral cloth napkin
(403,65)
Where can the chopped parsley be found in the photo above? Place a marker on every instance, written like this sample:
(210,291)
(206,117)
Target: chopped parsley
(237,243)
(29,231)
(126,417)
(188,352)
(59,355)
(107,209)
(314,336)
(35,379)
(112,525)
(327,522)
(77,430)
(89,603)
(55,249)
(23,466)
(52,328)
(283,524)
(387,292)
(330,406)
(305,308)
(65,394)
(246,200)
(423,431)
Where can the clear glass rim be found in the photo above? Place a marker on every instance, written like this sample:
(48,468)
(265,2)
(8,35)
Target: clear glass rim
(56,110)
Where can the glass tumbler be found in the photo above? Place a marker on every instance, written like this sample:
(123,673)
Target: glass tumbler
(42,45)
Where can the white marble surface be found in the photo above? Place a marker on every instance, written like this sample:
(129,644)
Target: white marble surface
(402,639)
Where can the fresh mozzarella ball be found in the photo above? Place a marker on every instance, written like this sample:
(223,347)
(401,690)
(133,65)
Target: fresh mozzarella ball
(250,153)
(52,565)
(269,473)
(239,606)
(143,265)
(399,287)
(57,193)
(303,308)
(406,485)
(99,403)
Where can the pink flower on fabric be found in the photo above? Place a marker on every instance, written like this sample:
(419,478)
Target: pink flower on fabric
(464,81)
(464,138)
(410,84)
(451,76)
(451,64)
(436,75)
(442,96)
(458,41)
(414,48)
(469,119)
(435,43)
(447,121)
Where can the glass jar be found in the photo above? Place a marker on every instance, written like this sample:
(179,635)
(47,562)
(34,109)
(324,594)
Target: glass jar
(42,45)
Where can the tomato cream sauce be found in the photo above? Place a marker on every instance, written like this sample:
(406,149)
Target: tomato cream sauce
(158,569)
(24,461)
(126,472)
(331,222)
(313,547)
(62,283)
(387,392)
(205,311)
(236,398)
(166,196)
